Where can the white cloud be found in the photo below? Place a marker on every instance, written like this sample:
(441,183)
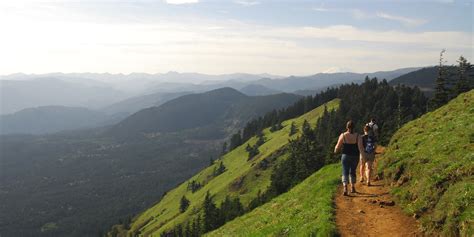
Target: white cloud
(58,43)
(404,20)
(176,2)
(247,3)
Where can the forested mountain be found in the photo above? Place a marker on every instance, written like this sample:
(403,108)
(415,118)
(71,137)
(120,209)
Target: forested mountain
(425,78)
(50,119)
(253,90)
(322,80)
(134,104)
(221,108)
(86,180)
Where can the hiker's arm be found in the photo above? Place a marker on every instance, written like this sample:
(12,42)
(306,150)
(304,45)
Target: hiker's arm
(338,145)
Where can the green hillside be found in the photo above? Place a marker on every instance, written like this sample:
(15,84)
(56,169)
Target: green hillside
(430,162)
(306,210)
(242,178)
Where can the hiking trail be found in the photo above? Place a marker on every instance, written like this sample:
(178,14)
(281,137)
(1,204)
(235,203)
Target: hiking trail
(371,211)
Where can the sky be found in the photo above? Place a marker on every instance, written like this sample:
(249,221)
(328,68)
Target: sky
(283,37)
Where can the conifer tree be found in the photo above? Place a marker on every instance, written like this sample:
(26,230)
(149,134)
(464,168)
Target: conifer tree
(441,92)
(187,230)
(293,129)
(184,204)
(261,139)
(306,128)
(462,84)
(210,213)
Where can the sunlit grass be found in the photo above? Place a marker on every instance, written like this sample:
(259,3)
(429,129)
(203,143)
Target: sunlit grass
(305,210)
(431,163)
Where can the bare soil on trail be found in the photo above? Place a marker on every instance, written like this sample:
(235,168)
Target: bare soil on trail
(372,212)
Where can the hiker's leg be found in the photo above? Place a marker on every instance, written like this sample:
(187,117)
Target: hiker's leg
(353,171)
(368,170)
(361,168)
(345,169)
(345,172)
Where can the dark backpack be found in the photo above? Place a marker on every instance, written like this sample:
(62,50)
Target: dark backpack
(369,144)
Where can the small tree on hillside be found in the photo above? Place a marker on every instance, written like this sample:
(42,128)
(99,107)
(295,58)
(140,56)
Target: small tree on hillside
(293,129)
(184,204)
(235,141)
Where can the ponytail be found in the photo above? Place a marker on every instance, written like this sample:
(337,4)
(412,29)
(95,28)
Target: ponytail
(350,126)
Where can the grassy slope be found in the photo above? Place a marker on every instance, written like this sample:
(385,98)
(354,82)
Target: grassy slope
(431,163)
(165,214)
(306,210)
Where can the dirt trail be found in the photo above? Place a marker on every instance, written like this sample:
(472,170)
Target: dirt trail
(372,212)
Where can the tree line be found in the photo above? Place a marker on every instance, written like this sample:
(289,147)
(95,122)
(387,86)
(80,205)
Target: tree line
(274,118)
(451,81)
(211,218)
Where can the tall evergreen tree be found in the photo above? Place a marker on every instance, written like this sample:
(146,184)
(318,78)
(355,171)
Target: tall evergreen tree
(441,91)
(235,141)
(187,230)
(210,213)
(462,84)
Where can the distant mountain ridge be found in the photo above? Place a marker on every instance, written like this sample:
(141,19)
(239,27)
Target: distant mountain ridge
(134,104)
(255,89)
(50,119)
(17,95)
(127,93)
(216,107)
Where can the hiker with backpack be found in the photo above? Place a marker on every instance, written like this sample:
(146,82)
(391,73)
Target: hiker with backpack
(351,145)
(374,129)
(367,156)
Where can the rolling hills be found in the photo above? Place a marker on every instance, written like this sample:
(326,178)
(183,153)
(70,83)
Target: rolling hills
(243,177)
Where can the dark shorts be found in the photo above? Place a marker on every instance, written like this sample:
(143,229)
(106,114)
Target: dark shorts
(368,158)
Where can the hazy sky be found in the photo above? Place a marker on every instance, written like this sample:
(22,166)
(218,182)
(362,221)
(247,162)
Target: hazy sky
(255,36)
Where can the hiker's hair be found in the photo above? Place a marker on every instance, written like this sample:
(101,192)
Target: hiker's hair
(366,128)
(350,126)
